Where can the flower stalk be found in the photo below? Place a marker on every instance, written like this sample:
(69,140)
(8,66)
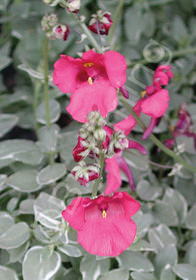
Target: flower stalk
(88,34)
(156,141)
(98,180)
(46,97)
(116,16)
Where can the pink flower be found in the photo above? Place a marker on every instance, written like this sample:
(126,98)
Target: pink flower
(100,23)
(104,224)
(117,163)
(154,102)
(92,80)
(61,31)
(184,126)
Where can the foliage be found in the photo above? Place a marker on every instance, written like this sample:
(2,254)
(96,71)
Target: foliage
(36,148)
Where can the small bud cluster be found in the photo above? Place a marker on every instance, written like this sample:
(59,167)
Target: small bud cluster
(100,23)
(53,29)
(118,142)
(73,6)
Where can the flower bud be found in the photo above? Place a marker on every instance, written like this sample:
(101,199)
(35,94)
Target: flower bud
(100,23)
(100,134)
(85,173)
(73,6)
(61,31)
(48,22)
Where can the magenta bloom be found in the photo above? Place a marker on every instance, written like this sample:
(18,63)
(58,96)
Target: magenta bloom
(92,80)
(184,126)
(154,102)
(104,224)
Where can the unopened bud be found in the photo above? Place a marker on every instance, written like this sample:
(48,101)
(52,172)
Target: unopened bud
(100,23)
(73,6)
(48,22)
(100,134)
(85,173)
(61,31)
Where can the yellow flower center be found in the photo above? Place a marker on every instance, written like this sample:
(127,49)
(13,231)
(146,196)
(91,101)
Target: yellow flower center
(88,64)
(172,128)
(104,214)
(143,93)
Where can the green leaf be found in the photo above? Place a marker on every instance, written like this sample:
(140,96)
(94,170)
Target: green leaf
(48,210)
(177,201)
(4,62)
(165,213)
(20,150)
(7,273)
(15,236)
(136,160)
(67,142)
(26,206)
(161,236)
(73,186)
(51,173)
(31,72)
(92,268)
(70,250)
(143,222)
(167,274)
(142,276)
(48,138)
(179,31)
(24,181)
(166,256)
(6,221)
(116,274)
(38,265)
(190,221)
(141,245)
(7,122)
(185,271)
(134,261)
(190,256)
(54,109)
(147,192)
(3,179)
(17,253)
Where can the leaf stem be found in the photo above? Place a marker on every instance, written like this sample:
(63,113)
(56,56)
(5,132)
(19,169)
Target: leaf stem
(156,141)
(46,97)
(116,16)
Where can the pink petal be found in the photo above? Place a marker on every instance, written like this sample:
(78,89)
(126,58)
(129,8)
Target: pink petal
(74,214)
(107,237)
(149,129)
(160,78)
(83,100)
(126,125)
(113,177)
(116,66)
(65,73)
(130,205)
(136,145)
(92,56)
(125,168)
(156,105)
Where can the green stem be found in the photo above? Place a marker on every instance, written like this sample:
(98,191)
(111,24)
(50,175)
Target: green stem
(97,182)
(173,54)
(116,16)
(156,141)
(46,97)
(89,35)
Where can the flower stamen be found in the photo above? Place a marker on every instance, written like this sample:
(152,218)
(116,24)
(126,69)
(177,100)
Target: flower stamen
(90,80)
(104,214)
(143,93)
(88,64)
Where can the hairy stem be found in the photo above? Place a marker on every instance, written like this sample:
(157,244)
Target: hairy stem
(46,97)
(89,35)
(156,141)
(116,16)
(101,163)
